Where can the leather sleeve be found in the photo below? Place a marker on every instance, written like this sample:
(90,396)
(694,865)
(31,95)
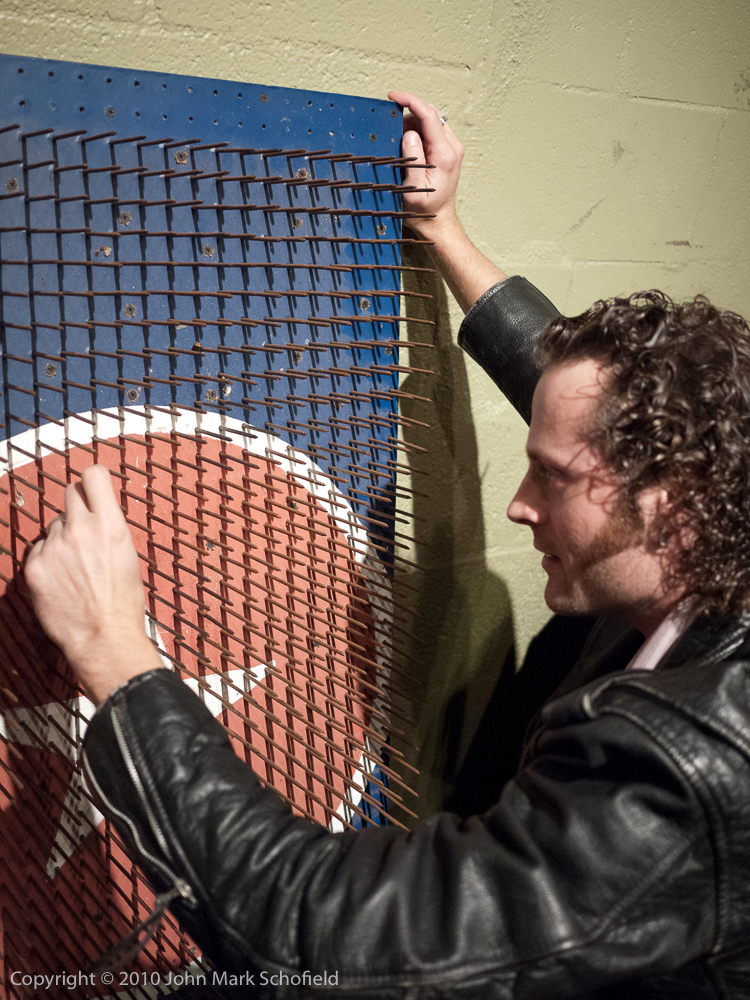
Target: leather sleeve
(594,867)
(500,332)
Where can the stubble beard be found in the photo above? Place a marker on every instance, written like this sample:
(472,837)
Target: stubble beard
(593,587)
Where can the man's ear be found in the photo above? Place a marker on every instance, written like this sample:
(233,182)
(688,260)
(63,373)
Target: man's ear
(654,507)
(662,529)
(652,502)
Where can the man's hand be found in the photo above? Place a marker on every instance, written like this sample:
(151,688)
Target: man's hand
(466,271)
(428,140)
(86,587)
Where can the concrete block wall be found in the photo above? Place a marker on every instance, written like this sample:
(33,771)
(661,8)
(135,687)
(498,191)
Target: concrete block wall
(607,151)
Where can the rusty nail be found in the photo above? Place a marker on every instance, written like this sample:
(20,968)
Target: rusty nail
(181,156)
(130,310)
(125,218)
(12,184)
(109,112)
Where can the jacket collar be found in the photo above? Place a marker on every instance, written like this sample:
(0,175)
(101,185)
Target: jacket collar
(707,641)
(612,645)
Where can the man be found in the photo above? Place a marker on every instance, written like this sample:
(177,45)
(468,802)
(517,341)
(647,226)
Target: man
(617,862)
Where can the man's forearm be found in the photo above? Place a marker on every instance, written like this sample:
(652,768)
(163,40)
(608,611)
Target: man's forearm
(465,270)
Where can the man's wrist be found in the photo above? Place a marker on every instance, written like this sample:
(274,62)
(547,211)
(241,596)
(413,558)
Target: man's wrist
(442,228)
(101,665)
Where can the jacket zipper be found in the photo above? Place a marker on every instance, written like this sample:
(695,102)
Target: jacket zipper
(128,947)
(183,888)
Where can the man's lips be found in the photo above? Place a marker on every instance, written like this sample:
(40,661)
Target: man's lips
(547,558)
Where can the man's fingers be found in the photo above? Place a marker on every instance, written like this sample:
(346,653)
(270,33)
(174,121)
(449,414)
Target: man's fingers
(412,147)
(55,526)
(99,492)
(75,502)
(426,115)
(433,145)
(34,552)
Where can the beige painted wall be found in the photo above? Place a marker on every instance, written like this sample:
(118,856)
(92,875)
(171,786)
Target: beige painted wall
(608,149)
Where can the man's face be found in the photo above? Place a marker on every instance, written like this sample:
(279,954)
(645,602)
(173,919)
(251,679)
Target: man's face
(597,561)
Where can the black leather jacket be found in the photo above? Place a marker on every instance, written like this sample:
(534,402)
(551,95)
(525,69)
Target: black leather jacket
(616,863)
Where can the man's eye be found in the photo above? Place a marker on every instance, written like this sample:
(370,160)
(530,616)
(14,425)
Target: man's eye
(547,475)
(540,474)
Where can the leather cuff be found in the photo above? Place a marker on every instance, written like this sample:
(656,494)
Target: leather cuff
(500,332)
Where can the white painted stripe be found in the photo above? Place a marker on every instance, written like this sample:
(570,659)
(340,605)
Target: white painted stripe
(137,420)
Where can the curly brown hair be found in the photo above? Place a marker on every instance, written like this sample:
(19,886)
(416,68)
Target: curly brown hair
(675,414)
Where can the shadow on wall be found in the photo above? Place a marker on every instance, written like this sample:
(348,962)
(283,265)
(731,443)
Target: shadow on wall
(462,628)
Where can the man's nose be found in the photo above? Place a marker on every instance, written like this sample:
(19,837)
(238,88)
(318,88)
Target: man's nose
(525,507)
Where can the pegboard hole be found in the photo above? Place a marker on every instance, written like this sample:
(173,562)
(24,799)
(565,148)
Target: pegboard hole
(51,73)
(239,95)
(216,121)
(190,90)
(216,93)
(190,118)
(164,86)
(20,70)
(22,104)
(81,108)
(109,79)
(137,114)
(136,83)
(163,118)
